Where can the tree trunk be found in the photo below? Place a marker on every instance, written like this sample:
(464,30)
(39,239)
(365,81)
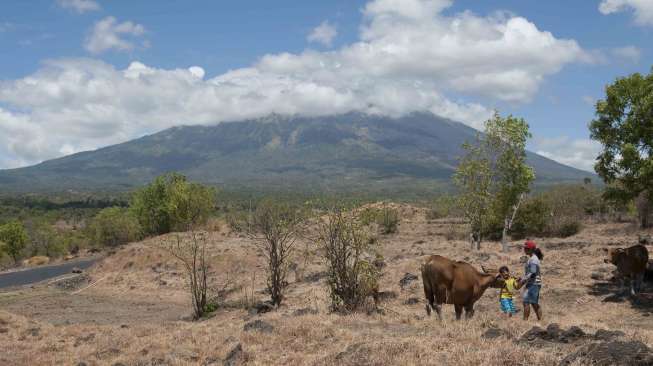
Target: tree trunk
(643,204)
(507,224)
(504,235)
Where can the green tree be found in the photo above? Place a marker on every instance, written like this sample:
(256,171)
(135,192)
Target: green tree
(473,179)
(493,176)
(505,140)
(624,126)
(113,226)
(170,202)
(189,204)
(13,238)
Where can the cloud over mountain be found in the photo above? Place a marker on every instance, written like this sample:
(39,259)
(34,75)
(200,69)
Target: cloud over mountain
(409,57)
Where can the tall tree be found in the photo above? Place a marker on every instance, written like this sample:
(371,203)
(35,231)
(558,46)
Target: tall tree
(473,179)
(506,143)
(624,126)
(493,175)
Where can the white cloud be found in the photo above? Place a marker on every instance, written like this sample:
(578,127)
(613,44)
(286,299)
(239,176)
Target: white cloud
(80,6)
(109,34)
(579,153)
(409,57)
(628,53)
(323,33)
(643,9)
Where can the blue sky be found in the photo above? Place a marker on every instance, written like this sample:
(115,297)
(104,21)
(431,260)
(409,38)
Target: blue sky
(81,74)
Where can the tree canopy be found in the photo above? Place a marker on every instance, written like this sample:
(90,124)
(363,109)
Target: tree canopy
(624,126)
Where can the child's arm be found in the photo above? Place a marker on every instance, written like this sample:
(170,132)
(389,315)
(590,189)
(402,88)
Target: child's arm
(518,284)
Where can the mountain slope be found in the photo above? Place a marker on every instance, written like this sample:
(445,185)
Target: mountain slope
(344,152)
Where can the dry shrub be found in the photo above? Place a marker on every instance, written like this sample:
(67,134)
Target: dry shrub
(191,252)
(349,255)
(275,228)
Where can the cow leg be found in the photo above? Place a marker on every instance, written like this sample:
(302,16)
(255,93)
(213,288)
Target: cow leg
(440,297)
(469,311)
(459,311)
(428,295)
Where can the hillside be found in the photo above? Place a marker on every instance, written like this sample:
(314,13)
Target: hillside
(132,308)
(347,152)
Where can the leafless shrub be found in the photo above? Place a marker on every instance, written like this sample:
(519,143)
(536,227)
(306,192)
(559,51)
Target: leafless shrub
(275,228)
(191,252)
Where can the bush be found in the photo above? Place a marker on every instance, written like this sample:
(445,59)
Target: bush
(348,253)
(532,219)
(569,229)
(170,203)
(113,226)
(443,206)
(558,212)
(13,239)
(388,220)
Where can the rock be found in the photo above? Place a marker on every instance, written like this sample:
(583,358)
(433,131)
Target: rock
(613,353)
(82,363)
(262,307)
(259,325)
(493,333)
(407,279)
(411,301)
(4,330)
(644,239)
(533,334)
(234,356)
(552,334)
(211,361)
(304,311)
(72,283)
(608,335)
(84,339)
(572,334)
(314,277)
(77,270)
(107,353)
(118,364)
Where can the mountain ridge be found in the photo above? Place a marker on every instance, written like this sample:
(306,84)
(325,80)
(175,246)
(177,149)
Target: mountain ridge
(352,151)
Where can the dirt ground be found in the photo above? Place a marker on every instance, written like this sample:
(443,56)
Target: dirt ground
(133,309)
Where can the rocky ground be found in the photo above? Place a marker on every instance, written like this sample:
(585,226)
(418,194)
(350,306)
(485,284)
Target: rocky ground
(132,309)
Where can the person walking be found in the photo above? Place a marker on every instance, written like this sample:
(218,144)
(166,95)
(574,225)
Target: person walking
(532,280)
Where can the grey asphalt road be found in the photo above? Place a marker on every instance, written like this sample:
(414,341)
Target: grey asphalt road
(38,274)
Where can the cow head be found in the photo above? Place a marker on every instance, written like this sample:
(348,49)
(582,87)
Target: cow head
(496,279)
(612,255)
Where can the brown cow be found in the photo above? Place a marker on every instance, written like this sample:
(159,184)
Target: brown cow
(457,283)
(631,262)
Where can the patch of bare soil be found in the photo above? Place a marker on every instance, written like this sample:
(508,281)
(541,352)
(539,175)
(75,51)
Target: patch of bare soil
(133,313)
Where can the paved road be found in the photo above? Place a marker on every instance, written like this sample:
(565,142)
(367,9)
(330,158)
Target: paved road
(38,274)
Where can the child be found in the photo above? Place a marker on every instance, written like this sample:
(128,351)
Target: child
(508,291)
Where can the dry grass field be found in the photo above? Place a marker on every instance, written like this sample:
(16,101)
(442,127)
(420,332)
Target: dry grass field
(136,311)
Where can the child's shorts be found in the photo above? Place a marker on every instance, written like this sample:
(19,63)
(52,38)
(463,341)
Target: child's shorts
(507,306)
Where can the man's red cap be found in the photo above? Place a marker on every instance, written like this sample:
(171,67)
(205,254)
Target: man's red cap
(530,245)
